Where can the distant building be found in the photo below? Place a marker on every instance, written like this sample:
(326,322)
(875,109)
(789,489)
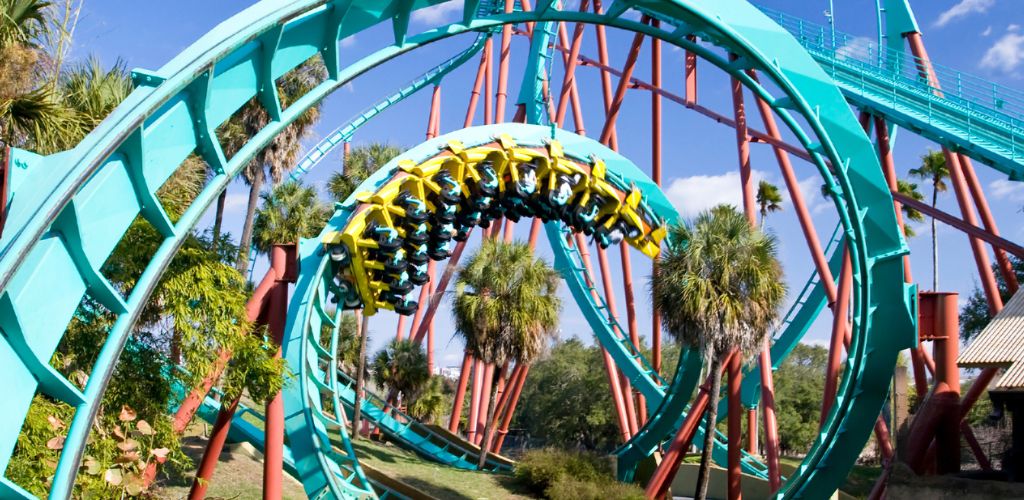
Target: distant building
(449,372)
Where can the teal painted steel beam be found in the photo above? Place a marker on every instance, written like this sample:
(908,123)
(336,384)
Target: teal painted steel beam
(166,114)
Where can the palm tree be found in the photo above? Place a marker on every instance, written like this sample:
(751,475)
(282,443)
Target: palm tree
(289,212)
(909,189)
(431,403)
(719,290)
(505,309)
(769,198)
(30,110)
(359,164)
(933,169)
(401,367)
(281,154)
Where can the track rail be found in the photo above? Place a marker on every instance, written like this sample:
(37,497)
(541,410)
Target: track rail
(62,227)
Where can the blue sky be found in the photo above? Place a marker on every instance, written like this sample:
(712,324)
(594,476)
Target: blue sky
(982,37)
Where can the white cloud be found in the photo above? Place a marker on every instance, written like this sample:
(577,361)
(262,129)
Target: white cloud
(810,188)
(1003,189)
(860,47)
(987,32)
(440,13)
(691,195)
(962,9)
(236,201)
(1006,54)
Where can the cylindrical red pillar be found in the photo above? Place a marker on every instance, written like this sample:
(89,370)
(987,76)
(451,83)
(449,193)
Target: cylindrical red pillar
(474,402)
(460,393)
(214,446)
(735,426)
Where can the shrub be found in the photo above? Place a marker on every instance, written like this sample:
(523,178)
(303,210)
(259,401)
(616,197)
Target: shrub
(605,489)
(541,470)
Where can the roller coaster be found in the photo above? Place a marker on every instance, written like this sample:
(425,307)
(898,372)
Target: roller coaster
(64,214)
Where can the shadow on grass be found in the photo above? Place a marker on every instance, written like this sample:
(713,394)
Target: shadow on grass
(434,490)
(375,451)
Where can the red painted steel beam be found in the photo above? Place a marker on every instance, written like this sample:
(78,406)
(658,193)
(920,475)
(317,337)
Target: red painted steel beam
(268,302)
(991,238)
(569,60)
(506,46)
(656,158)
(660,481)
(1005,267)
(460,393)
(835,350)
(606,79)
(771,428)
(615,107)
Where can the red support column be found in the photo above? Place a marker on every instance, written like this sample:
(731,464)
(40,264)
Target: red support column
(839,325)
(438,293)
(485,401)
(771,429)
(208,464)
(735,431)
(488,81)
(609,298)
(569,80)
(1005,267)
(615,104)
(752,434)
(656,177)
(460,393)
(666,471)
(690,76)
(268,303)
(618,396)
(276,309)
(474,402)
(743,146)
(506,419)
(506,46)
(606,79)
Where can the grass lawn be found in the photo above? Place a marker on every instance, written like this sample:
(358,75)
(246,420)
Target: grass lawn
(858,483)
(434,479)
(238,476)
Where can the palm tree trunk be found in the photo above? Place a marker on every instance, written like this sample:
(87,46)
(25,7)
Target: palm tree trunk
(485,445)
(218,218)
(935,245)
(701,492)
(357,409)
(250,212)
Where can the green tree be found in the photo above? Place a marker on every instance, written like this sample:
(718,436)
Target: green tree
(431,403)
(719,289)
(934,170)
(505,309)
(401,367)
(798,390)
(566,378)
(279,157)
(27,108)
(769,199)
(289,212)
(358,165)
(974,316)
(909,189)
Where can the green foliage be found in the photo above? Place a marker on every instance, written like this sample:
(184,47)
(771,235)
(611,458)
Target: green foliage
(571,475)
(909,189)
(432,403)
(207,303)
(570,376)
(254,369)
(289,212)
(573,489)
(360,162)
(974,316)
(506,306)
(769,199)
(401,367)
(720,288)
(799,385)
